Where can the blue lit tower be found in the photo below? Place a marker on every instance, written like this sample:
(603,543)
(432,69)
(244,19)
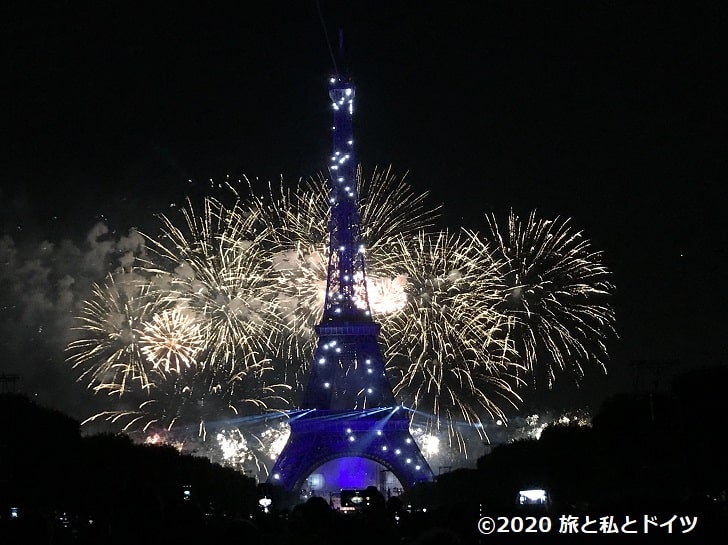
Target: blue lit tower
(348,408)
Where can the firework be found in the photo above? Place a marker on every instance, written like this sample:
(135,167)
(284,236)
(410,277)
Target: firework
(387,295)
(250,448)
(434,295)
(235,447)
(183,343)
(294,223)
(212,267)
(428,443)
(235,450)
(172,339)
(192,398)
(248,445)
(274,438)
(447,350)
(557,292)
(533,425)
(108,351)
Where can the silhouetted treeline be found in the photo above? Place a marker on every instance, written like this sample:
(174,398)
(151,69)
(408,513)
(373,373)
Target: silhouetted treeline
(126,490)
(645,453)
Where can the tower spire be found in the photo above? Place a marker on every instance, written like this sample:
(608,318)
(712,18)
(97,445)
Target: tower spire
(346,295)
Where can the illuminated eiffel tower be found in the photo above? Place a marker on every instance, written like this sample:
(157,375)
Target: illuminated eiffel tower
(348,408)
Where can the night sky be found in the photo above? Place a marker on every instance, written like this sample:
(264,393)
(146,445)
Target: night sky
(610,113)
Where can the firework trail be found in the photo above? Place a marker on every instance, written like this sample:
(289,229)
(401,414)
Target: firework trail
(191,399)
(557,292)
(447,350)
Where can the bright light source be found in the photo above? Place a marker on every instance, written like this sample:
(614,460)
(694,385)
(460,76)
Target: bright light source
(531,496)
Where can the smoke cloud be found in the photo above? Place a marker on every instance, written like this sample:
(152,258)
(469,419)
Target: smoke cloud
(42,285)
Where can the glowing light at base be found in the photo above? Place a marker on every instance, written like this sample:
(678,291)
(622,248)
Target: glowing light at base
(352,473)
(275,439)
(248,447)
(430,445)
(234,447)
(531,426)
(535,496)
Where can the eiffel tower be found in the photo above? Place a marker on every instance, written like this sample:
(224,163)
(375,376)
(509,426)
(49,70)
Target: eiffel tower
(348,408)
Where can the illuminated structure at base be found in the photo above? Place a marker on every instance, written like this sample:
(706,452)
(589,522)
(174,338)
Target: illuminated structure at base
(348,408)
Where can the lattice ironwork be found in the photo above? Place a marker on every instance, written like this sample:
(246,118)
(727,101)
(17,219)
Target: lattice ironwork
(348,405)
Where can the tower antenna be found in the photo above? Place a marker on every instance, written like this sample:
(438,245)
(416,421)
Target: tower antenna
(328,41)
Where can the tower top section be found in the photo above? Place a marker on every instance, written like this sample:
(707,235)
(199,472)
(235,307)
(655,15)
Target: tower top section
(341,92)
(342,164)
(346,295)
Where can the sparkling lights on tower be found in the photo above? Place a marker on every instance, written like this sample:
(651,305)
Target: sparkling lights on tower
(348,408)
(346,296)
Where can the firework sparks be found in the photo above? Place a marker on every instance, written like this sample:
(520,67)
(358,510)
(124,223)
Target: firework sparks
(158,438)
(108,352)
(447,349)
(274,439)
(194,397)
(533,425)
(183,342)
(213,267)
(172,339)
(387,295)
(251,450)
(247,445)
(188,341)
(229,446)
(294,223)
(557,290)
(430,445)
(236,452)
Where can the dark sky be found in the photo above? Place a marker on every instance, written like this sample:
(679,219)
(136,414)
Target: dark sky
(611,113)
